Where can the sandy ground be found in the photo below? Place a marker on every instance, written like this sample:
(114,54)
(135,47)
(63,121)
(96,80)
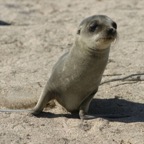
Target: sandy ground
(40,32)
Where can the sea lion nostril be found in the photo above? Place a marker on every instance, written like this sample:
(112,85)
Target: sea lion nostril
(111,31)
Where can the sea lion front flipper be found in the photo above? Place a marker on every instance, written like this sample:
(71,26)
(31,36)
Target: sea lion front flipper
(84,107)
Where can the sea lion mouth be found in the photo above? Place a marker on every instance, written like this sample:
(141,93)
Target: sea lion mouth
(110,38)
(97,50)
(103,42)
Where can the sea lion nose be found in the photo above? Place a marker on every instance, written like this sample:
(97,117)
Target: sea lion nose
(111,31)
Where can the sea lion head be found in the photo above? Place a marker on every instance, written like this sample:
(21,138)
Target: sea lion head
(97,32)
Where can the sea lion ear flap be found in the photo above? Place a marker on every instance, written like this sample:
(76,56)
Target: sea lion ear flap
(78,31)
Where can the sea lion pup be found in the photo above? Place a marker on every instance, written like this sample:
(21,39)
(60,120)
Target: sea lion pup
(76,76)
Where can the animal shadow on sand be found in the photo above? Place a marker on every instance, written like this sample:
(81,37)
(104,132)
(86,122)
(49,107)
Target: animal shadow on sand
(132,111)
(3,23)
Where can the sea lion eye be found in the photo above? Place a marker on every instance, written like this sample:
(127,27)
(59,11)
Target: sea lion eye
(92,27)
(114,25)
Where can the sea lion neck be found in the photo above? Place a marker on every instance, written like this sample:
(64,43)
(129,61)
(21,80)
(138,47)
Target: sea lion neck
(87,52)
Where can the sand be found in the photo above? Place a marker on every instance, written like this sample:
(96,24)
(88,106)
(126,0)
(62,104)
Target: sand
(40,31)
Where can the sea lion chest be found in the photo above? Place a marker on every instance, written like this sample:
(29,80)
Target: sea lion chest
(74,77)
